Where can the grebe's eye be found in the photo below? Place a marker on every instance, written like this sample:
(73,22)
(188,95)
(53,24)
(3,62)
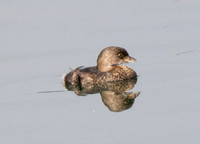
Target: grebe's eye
(120,55)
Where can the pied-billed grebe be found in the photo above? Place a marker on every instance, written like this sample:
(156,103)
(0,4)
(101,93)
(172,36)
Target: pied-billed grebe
(108,69)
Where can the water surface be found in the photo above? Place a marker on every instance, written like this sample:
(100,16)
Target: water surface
(41,41)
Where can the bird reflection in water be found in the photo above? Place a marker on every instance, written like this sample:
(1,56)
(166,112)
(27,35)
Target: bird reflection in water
(114,95)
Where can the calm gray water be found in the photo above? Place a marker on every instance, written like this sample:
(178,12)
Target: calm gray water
(41,40)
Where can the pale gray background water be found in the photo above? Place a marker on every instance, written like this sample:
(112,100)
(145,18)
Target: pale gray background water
(40,40)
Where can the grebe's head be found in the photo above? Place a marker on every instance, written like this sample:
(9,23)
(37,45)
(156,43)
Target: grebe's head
(112,56)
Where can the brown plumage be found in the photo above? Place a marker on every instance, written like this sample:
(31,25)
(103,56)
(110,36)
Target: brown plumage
(108,69)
